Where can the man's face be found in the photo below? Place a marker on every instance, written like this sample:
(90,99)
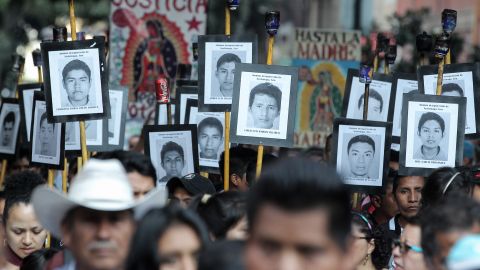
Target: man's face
(209,139)
(431,134)
(7,133)
(46,131)
(360,157)
(264,110)
(225,75)
(409,195)
(445,242)
(302,242)
(141,184)
(77,84)
(178,248)
(183,196)
(99,239)
(412,260)
(172,163)
(374,109)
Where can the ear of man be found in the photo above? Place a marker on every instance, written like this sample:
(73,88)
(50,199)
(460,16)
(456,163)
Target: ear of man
(235,179)
(376,201)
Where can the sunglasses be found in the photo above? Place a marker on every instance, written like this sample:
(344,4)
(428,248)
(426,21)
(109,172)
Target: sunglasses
(404,247)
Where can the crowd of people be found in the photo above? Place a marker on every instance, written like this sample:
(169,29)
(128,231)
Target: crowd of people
(297,215)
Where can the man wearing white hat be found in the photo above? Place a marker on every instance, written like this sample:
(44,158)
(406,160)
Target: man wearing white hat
(97,218)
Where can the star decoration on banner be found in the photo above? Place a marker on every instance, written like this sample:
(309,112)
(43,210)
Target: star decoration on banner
(193,24)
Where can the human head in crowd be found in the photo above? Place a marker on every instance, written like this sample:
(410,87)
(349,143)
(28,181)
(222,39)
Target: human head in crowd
(38,259)
(222,255)
(385,205)
(465,254)
(407,191)
(375,105)
(431,130)
(452,89)
(363,242)
(96,219)
(394,158)
(239,159)
(172,160)
(314,153)
(468,153)
(140,170)
(444,182)
(264,105)
(224,213)
(225,73)
(184,189)
(167,238)
(76,81)
(383,247)
(210,137)
(23,232)
(408,249)
(443,224)
(21,161)
(361,151)
(133,141)
(311,203)
(7,129)
(252,167)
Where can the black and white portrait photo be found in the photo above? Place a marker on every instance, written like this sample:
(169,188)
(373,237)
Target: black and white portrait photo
(183,94)
(75,79)
(404,84)
(218,56)
(380,94)
(172,150)
(433,131)
(116,122)
(210,130)
(26,93)
(459,80)
(360,152)
(9,126)
(46,137)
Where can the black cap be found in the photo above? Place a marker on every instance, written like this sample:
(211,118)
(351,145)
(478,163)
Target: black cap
(194,183)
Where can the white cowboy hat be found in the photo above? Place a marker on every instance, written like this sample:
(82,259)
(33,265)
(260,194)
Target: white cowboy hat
(101,185)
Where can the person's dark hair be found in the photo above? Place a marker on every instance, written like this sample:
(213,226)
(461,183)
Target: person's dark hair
(38,259)
(9,118)
(132,162)
(251,174)
(314,152)
(361,139)
(371,94)
(227,58)
(444,182)
(296,185)
(76,65)
(44,118)
(171,146)
(452,87)
(383,247)
(222,255)
(210,122)
(269,90)
(451,214)
(239,159)
(144,253)
(221,211)
(18,189)
(431,116)
(364,224)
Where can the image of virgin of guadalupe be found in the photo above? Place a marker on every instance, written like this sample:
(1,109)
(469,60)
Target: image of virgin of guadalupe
(155,56)
(325,103)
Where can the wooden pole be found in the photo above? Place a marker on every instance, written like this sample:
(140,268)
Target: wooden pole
(169,114)
(3,171)
(375,63)
(440,78)
(73,30)
(387,67)
(448,60)
(65,176)
(366,96)
(226,156)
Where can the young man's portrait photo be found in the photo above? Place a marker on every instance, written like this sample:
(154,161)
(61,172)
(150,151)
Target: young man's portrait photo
(46,142)
(264,106)
(224,73)
(375,105)
(9,127)
(172,161)
(360,151)
(431,131)
(77,84)
(210,138)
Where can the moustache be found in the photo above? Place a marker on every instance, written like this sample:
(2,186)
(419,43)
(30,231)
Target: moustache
(101,245)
